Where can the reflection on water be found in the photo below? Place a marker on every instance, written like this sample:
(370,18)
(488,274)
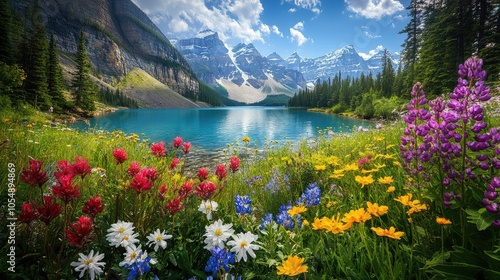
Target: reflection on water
(214,128)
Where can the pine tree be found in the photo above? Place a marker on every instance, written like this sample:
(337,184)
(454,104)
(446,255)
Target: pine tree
(6,34)
(387,78)
(55,80)
(84,90)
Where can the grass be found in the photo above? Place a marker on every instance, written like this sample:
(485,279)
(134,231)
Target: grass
(340,166)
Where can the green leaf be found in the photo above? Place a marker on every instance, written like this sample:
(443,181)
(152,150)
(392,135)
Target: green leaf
(481,218)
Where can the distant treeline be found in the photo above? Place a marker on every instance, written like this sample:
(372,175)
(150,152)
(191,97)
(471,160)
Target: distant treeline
(116,98)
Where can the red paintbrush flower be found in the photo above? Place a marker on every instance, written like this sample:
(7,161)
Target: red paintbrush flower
(221,172)
(93,206)
(162,192)
(205,189)
(63,168)
(80,234)
(81,167)
(234,165)
(186,146)
(150,173)
(134,168)
(186,189)
(34,176)
(174,205)
(202,174)
(174,163)
(177,142)
(120,155)
(140,183)
(64,190)
(158,149)
(49,210)
(28,213)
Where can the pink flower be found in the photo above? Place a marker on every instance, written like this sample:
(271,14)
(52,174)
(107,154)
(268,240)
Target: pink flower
(93,206)
(202,174)
(186,146)
(174,163)
(134,168)
(364,160)
(158,149)
(205,189)
(34,176)
(64,189)
(28,214)
(79,234)
(120,155)
(49,210)
(234,165)
(177,142)
(140,183)
(186,189)
(221,172)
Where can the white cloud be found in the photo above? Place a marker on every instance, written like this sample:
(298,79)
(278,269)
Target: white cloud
(312,5)
(371,53)
(374,9)
(292,10)
(233,19)
(368,35)
(277,31)
(299,25)
(298,37)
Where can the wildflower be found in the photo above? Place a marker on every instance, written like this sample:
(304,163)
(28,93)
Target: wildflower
(334,225)
(81,167)
(317,224)
(134,168)
(64,190)
(242,244)
(245,139)
(186,147)
(311,196)
(90,263)
(79,234)
(292,266)
(186,189)
(131,255)
(356,216)
(234,164)
(141,266)
(376,210)
(177,142)
(391,189)
(173,164)
(219,260)
(387,180)
(158,238)
(49,210)
(34,176)
(351,167)
(216,234)
(416,207)
(63,168)
(221,172)
(121,234)
(296,210)
(205,190)
(28,213)
(443,221)
(207,207)
(140,183)
(243,204)
(267,220)
(174,205)
(320,167)
(391,232)
(363,161)
(305,223)
(158,149)
(120,155)
(202,174)
(284,218)
(405,199)
(93,206)
(366,180)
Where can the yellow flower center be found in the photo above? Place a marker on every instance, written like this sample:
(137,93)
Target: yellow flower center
(133,255)
(243,244)
(159,238)
(125,237)
(89,261)
(218,232)
(121,230)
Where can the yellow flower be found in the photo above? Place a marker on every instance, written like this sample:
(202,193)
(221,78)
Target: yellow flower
(416,208)
(405,199)
(317,224)
(396,163)
(356,216)
(391,189)
(377,138)
(391,156)
(443,221)
(376,210)
(334,225)
(366,180)
(292,266)
(320,167)
(351,167)
(385,180)
(305,223)
(245,139)
(332,160)
(296,210)
(391,232)
(369,170)
(337,174)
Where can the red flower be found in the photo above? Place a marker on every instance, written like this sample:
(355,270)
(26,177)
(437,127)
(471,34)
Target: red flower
(162,192)
(93,206)
(174,205)
(64,190)
(140,183)
(235,164)
(81,166)
(150,173)
(186,146)
(186,189)
(120,155)
(134,168)
(202,174)
(49,210)
(34,176)
(205,189)
(174,163)
(63,168)
(221,172)
(363,161)
(79,234)
(28,214)
(177,142)
(158,149)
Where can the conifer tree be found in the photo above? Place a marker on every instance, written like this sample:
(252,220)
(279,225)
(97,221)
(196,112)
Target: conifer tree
(55,80)
(387,78)
(84,90)
(6,40)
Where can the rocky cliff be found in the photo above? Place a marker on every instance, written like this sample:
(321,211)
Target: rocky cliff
(119,37)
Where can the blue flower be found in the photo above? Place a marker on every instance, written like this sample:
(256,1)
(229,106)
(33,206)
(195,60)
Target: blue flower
(220,259)
(311,196)
(243,204)
(138,268)
(267,220)
(283,218)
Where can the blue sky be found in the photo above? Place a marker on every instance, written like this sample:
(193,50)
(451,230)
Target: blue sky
(311,28)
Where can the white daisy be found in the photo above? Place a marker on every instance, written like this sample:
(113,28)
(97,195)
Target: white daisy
(131,255)
(90,262)
(158,239)
(118,231)
(217,233)
(143,256)
(128,240)
(242,244)
(207,207)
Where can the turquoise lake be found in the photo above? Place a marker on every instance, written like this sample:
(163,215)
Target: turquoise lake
(213,128)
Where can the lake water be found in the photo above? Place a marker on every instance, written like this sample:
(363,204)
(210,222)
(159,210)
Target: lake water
(213,128)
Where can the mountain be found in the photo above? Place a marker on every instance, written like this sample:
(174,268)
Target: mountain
(119,38)
(242,71)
